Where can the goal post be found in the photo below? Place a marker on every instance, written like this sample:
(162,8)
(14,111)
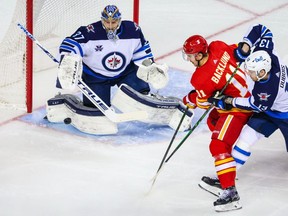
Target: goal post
(50,21)
(29,57)
(136,11)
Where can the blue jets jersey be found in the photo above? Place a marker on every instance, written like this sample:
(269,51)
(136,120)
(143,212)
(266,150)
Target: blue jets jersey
(269,96)
(104,57)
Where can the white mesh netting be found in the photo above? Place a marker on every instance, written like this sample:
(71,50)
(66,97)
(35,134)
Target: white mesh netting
(53,21)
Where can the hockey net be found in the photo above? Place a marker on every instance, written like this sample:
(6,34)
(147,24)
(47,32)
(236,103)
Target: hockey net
(53,20)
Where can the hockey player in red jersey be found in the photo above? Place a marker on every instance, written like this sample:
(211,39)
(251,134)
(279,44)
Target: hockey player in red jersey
(215,63)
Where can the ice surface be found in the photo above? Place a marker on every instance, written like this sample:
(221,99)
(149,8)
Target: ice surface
(52,169)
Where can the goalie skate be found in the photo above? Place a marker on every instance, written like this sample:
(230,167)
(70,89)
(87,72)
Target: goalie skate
(211,185)
(228,200)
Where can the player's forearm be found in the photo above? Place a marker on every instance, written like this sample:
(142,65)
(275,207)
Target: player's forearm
(242,103)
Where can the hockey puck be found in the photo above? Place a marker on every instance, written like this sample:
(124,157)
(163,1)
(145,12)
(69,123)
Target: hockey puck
(67,120)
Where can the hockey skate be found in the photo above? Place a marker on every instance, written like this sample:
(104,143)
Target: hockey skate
(211,185)
(228,200)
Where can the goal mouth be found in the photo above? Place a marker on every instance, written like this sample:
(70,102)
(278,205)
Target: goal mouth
(50,21)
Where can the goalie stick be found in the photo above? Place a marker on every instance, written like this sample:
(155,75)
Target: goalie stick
(94,98)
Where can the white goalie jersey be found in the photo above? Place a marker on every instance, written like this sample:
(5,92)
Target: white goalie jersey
(108,58)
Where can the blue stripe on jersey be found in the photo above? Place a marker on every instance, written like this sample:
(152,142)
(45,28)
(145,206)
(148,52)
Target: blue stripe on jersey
(242,151)
(266,33)
(278,115)
(144,57)
(263,30)
(239,161)
(252,105)
(67,49)
(145,47)
(69,41)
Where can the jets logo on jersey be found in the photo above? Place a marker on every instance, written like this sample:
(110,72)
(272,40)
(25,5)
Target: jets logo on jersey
(263,96)
(114,62)
(99,48)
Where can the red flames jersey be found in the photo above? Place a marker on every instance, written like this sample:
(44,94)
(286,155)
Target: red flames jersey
(214,74)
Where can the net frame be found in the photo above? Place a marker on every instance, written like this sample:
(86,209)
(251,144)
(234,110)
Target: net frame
(34,22)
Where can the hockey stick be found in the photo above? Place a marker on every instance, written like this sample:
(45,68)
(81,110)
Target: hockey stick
(169,146)
(94,98)
(204,114)
(197,123)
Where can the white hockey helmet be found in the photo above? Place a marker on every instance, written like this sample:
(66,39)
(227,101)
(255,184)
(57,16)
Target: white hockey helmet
(257,61)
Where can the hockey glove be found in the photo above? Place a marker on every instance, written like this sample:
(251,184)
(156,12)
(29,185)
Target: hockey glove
(155,74)
(189,99)
(239,54)
(221,102)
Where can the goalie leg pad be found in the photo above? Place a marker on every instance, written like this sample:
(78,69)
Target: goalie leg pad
(159,109)
(56,109)
(86,119)
(177,116)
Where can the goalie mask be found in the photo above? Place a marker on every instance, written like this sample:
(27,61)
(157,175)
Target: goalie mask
(257,61)
(111,21)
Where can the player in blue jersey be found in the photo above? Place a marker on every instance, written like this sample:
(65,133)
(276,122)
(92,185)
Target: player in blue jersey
(111,51)
(104,54)
(269,99)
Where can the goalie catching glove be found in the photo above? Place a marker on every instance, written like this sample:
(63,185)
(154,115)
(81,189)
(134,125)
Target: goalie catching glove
(69,71)
(156,75)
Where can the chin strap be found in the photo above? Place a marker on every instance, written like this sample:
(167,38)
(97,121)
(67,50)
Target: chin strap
(198,61)
(260,78)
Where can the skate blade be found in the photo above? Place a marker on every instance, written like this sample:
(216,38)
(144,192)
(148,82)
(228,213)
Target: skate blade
(228,207)
(213,190)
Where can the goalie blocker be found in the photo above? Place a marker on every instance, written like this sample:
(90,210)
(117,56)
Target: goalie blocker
(161,110)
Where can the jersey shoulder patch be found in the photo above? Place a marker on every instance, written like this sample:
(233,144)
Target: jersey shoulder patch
(129,30)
